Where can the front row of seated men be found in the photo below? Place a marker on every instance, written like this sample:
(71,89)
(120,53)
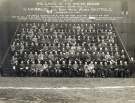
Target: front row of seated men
(72,69)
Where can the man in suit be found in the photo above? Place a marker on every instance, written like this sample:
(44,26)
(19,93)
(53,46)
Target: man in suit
(75,67)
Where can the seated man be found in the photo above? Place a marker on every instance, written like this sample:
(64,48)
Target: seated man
(51,56)
(111,68)
(31,56)
(70,68)
(41,56)
(64,68)
(108,57)
(86,69)
(51,69)
(126,69)
(39,69)
(33,69)
(22,69)
(101,69)
(91,69)
(34,39)
(45,69)
(116,69)
(81,71)
(121,69)
(58,69)
(75,68)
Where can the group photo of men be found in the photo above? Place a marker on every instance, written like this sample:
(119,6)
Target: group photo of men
(61,49)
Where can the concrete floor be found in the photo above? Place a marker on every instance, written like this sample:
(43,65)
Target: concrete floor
(67,90)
